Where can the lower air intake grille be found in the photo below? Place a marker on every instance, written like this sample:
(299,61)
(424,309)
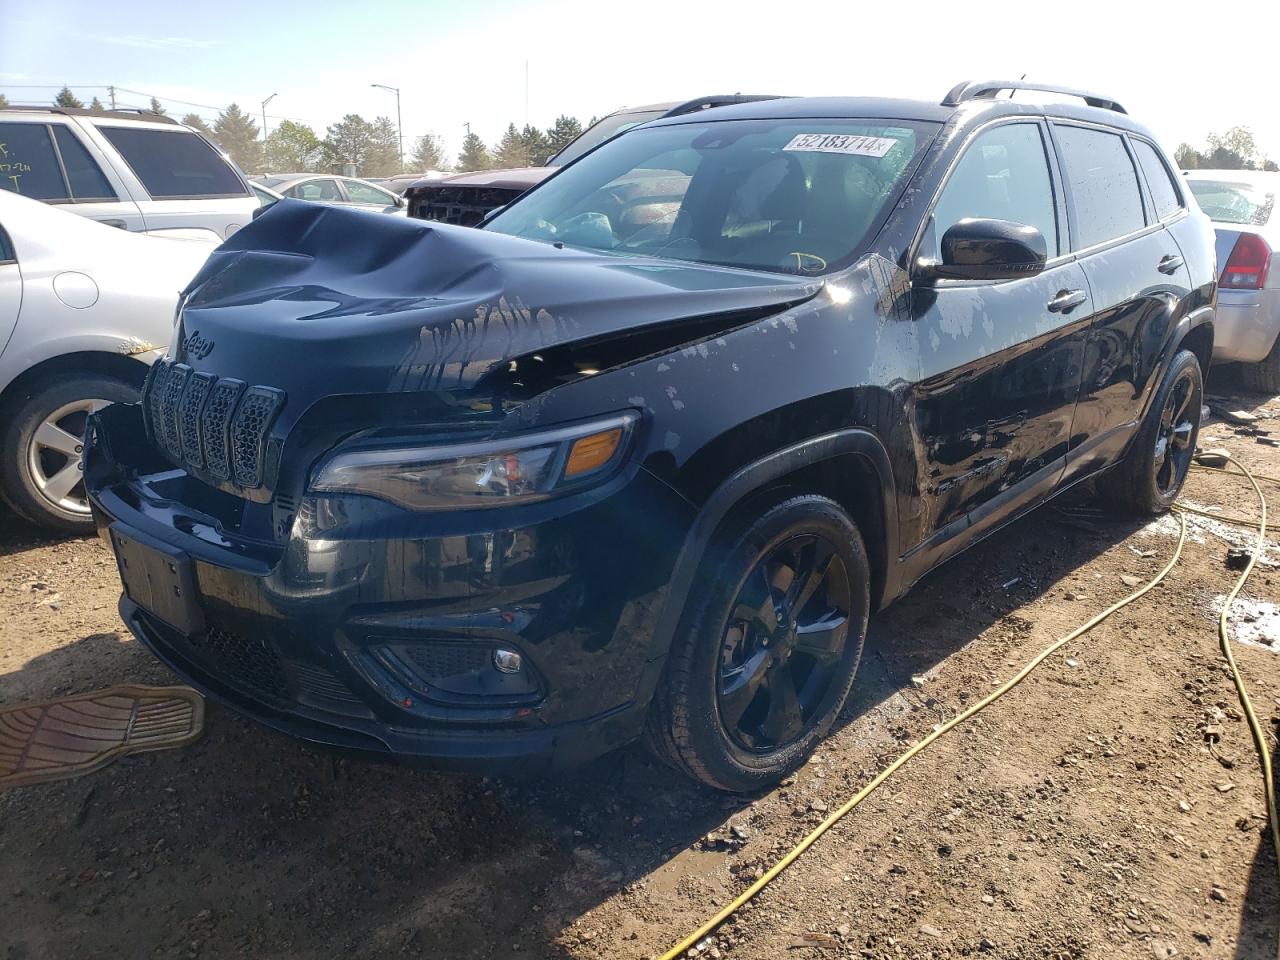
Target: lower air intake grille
(240,662)
(219,426)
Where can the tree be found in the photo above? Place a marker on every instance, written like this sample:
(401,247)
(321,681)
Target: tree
(510,151)
(428,154)
(537,147)
(1187,157)
(96,105)
(66,98)
(350,140)
(293,148)
(156,108)
(4,101)
(384,152)
(236,133)
(474,154)
(196,122)
(562,133)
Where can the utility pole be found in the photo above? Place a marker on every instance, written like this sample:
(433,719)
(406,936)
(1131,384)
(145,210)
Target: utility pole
(111,92)
(264,115)
(399,128)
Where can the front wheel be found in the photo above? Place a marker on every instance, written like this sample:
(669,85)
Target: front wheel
(767,651)
(40,448)
(1150,477)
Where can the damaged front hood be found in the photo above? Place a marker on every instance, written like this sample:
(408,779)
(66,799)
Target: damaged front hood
(319,300)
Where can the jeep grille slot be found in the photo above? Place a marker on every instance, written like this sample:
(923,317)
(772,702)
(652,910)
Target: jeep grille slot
(210,424)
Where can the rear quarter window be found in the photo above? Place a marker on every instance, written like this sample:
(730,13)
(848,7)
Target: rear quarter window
(28,163)
(1164,194)
(174,164)
(1102,184)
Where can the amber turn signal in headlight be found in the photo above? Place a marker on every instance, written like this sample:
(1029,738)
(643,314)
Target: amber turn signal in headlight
(591,453)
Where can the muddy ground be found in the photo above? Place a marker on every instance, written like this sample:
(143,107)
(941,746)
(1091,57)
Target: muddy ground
(1082,815)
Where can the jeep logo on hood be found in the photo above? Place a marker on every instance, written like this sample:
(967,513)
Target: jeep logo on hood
(196,346)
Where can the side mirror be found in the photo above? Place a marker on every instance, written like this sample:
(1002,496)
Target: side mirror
(975,249)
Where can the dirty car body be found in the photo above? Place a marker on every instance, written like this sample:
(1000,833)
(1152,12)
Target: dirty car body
(286,505)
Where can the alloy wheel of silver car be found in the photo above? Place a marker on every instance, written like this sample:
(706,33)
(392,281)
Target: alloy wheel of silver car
(53,455)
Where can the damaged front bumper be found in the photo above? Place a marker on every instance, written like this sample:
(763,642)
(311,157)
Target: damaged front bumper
(379,633)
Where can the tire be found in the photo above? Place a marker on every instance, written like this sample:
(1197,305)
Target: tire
(33,458)
(1166,441)
(1263,376)
(742,705)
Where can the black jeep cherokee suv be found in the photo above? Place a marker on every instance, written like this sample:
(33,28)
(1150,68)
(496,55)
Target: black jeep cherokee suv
(640,456)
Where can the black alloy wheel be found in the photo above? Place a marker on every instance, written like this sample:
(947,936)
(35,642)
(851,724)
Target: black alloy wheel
(783,643)
(1176,434)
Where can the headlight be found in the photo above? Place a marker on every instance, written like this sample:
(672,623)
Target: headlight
(521,469)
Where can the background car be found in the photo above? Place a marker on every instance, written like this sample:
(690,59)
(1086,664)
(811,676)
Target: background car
(340,191)
(140,172)
(467,198)
(1241,204)
(84,310)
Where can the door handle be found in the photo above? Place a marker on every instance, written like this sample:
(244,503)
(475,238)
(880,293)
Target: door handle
(115,223)
(1169,263)
(1067,300)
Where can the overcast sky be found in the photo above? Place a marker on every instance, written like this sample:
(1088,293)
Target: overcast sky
(1185,74)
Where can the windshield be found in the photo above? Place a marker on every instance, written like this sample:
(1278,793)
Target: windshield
(1229,202)
(789,196)
(600,131)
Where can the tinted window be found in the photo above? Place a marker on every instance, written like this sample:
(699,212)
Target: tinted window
(28,164)
(1003,175)
(87,180)
(6,248)
(1103,185)
(358,192)
(315,190)
(792,196)
(1163,192)
(174,164)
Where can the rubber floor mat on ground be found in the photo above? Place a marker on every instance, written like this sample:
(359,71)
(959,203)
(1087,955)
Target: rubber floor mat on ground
(72,736)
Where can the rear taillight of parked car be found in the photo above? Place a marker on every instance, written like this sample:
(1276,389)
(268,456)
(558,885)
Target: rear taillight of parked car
(1247,266)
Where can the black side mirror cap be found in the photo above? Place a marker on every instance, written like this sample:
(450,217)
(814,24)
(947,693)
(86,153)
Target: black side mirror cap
(980,249)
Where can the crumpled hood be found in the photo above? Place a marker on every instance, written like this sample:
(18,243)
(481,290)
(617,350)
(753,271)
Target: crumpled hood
(320,300)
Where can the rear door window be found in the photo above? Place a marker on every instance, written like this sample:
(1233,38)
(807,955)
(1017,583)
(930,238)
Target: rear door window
(1101,183)
(28,162)
(1003,175)
(322,190)
(1164,194)
(175,164)
(84,176)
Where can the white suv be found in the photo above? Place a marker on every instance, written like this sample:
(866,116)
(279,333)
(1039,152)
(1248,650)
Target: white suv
(143,175)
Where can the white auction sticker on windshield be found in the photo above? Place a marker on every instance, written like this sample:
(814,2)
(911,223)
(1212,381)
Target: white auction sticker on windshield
(841,143)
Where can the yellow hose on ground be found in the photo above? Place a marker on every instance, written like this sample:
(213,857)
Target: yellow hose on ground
(794,853)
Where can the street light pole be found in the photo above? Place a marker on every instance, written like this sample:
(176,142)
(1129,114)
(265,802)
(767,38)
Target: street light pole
(399,128)
(264,115)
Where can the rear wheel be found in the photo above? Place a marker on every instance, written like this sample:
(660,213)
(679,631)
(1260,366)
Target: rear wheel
(1264,376)
(1151,475)
(40,448)
(767,653)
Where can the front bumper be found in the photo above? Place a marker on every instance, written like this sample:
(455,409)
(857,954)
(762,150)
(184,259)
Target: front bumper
(1246,325)
(370,634)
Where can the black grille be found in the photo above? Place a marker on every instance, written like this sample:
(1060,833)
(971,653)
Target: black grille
(319,688)
(211,424)
(240,662)
(434,662)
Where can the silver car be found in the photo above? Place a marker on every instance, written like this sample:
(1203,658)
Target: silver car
(1241,204)
(327,188)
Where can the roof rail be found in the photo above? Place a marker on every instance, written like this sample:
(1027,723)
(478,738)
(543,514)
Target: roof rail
(120,113)
(721,100)
(987,90)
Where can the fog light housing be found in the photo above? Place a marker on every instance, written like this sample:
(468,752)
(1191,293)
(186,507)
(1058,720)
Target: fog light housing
(507,661)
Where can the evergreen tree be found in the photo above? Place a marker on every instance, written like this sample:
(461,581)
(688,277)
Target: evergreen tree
(96,105)
(157,108)
(384,152)
(350,140)
(510,151)
(537,147)
(428,154)
(4,101)
(195,122)
(564,131)
(236,133)
(66,98)
(293,148)
(474,154)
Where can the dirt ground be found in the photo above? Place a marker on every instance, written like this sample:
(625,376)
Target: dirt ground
(1084,815)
